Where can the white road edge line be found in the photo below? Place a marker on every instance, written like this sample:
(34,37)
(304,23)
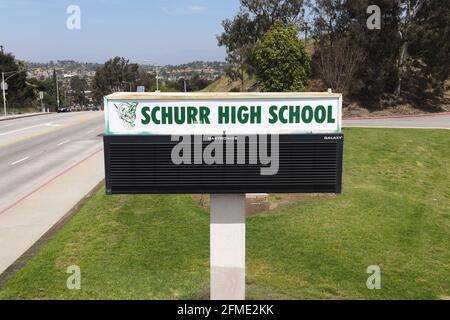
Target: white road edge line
(64,142)
(22,129)
(19,161)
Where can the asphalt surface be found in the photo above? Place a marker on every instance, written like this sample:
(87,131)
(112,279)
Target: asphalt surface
(420,122)
(34,150)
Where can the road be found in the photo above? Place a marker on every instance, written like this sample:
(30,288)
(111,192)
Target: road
(421,122)
(36,149)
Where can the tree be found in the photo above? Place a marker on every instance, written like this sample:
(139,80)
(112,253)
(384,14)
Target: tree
(19,94)
(410,9)
(331,20)
(343,23)
(248,26)
(239,38)
(240,62)
(147,80)
(409,57)
(78,88)
(337,65)
(424,62)
(266,12)
(195,83)
(46,86)
(282,63)
(114,76)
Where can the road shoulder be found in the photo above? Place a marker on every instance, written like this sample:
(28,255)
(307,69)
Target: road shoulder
(25,115)
(31,218)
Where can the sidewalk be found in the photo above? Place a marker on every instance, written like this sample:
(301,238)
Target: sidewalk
(29,219)
(25,115)
(429,121)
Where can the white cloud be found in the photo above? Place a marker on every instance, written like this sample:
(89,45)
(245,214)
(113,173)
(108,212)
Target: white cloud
(198,9)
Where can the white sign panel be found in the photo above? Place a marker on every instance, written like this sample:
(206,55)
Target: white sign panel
(222,113)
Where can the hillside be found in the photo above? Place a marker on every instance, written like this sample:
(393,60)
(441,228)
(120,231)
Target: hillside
(225,84)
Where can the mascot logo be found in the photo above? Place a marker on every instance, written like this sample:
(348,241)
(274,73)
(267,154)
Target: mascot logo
(127,113)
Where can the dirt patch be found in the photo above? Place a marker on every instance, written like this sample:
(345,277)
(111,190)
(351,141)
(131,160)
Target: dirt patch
(270,203)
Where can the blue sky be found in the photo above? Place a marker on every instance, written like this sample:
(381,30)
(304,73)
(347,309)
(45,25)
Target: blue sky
(156,31)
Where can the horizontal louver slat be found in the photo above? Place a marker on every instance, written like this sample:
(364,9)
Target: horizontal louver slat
(143,165)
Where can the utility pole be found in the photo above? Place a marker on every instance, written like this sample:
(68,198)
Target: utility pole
(57,88)
(41,97)
(57,92)
(3,84)
(157,79)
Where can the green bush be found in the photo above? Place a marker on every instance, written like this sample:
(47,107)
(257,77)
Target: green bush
(281,61)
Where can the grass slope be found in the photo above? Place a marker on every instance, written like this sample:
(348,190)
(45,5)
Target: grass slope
(394,212)
(225,84)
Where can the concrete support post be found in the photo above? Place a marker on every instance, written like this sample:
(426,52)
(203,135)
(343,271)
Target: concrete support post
(227,246)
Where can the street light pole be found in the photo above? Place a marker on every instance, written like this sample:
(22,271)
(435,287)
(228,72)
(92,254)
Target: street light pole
(57,92)
(157,72)
(4,95)
(4,86)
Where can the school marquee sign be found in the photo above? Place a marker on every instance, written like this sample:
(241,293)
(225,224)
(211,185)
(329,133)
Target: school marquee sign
(237,137)
(257,113)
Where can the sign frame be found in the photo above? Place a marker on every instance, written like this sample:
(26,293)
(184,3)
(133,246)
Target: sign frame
(261,100)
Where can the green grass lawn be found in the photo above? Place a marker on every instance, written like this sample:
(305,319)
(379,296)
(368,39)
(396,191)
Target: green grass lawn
(394,212)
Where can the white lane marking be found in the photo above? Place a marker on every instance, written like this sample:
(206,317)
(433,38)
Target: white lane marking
(90,131)
(49,124)
(9,125)
(18,130)
(64,142)
(19,161)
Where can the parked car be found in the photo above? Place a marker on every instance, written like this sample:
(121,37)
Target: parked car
(62,109)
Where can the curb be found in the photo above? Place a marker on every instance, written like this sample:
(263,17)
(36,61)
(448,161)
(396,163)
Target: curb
(47,236)
(53,230)
(25,116)
(401,116)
